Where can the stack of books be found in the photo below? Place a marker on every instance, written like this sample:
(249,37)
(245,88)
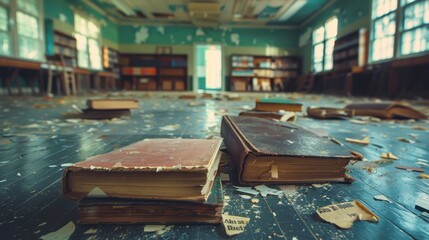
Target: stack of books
(109,108)
(152,181)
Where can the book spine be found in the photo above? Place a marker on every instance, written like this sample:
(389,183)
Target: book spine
(235,146)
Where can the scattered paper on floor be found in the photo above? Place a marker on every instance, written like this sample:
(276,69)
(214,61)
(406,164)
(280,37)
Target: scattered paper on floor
(264,190)
(153,228)
(409,168)
(364,141)
(389,155)
(234,224)
(63,233)
(344,214)
(423,175)
(382,198)
(423,202)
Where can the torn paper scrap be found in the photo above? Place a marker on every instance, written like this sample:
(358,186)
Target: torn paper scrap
(97,193)
(408,168)
(364,141)
(91,231)
(153,228)
(344,214)
(389,155)
(63,233)
(423,203)
(423,175)
(382,198)
(234,224)
(247,190)
(406,140)
(264,190)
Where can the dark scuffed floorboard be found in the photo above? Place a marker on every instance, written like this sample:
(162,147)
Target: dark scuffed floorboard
(36,140)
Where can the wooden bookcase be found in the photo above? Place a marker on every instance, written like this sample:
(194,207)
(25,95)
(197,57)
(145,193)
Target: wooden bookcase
(155,71)
(111,61)
(350,58)
(264,73)
(65,45)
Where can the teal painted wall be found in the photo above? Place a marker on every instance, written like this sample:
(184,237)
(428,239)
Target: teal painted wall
(352,15)
(286,38)
(62,10)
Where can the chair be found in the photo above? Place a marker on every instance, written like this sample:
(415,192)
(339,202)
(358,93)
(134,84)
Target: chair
(64,73)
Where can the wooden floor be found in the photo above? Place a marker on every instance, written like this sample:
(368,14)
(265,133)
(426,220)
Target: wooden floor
(36,140)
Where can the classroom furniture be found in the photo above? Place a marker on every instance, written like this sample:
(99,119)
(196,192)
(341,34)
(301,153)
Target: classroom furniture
(11,68)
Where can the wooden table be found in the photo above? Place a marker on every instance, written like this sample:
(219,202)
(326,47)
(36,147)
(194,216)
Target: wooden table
(108,78)
(11,68)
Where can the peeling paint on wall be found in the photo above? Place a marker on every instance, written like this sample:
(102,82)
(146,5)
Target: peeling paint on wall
(199,32)
(142,35)
(235,38)
(161,29)
(62,17)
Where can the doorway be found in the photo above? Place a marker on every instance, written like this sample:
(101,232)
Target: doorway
(208,67)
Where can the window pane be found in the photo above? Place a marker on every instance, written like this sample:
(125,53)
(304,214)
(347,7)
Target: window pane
(3,19)
(94,54)
(318,67)
(4,44)
(29,48)
(318,35)
(28,6)
(318,52)
(80,24)
(382,48)
(331,27)
(93,29)
(415,41)
(81,42)
(27,25)
(415,14)
(382,7)
(82,59)
(329,51)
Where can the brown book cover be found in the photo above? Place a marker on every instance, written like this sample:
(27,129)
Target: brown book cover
(266,151)
(329,113)
(112,104)
(104,114)
(126,211)
(277,104)
(166,169)
(386,110)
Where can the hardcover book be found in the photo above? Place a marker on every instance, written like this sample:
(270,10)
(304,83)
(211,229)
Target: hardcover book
(164,169)
(112,104)
(108,210)
(277,104)
(386,110)
(104,114)
(266,151)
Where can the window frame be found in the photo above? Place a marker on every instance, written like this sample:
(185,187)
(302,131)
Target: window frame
(14,48)
(88,37)
(324,44)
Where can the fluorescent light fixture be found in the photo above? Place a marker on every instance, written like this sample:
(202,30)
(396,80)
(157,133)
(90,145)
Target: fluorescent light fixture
(294,8)
(123,7)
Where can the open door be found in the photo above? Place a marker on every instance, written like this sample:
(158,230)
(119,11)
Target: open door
(209,67)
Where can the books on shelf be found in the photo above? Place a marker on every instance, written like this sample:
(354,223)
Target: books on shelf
(162,169)
(111,210)
(277,104)
(266,151)
(112,104)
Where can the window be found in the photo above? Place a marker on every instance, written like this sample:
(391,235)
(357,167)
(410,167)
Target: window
(412,19)
(88,43)
(415,26)
(323,45)
(25,35)
(383,29)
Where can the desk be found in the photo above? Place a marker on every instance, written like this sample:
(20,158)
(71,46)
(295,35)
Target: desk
(83,77)
(401,64)
(12,68)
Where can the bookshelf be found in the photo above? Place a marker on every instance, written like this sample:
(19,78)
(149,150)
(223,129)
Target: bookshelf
(264,73)
(65,45)
(111,61)
(350,58)
(155,71)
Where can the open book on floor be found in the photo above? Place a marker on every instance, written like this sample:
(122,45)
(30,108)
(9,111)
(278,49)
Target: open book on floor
(165,169)
(111,210)
(386,110)
(266,151)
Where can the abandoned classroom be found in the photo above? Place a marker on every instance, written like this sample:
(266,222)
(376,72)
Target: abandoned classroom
(292,119)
